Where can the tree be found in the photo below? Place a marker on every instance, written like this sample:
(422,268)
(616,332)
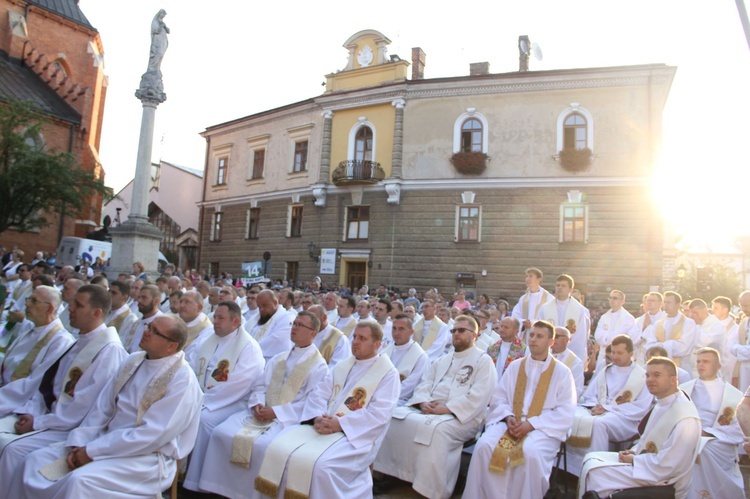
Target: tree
(724,281)
(35,183)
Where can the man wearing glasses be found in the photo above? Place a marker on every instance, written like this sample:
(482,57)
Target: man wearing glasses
(423,444)
(613,323)
(143,421)
(37,347)
(70,387)
(229,367)
(237,446)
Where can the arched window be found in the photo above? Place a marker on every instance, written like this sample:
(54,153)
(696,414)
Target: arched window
(575,132)
(363,144)
(471,136)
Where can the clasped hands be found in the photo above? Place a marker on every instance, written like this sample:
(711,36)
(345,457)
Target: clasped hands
(518,429)
(598,410)
(434,407)
(78,457)
(325,424)
(262,413)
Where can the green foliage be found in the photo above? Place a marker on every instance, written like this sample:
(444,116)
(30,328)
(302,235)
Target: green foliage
(725,282)
(34,182)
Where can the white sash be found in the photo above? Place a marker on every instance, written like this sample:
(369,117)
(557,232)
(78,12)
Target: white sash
(82,362)
(657,432)
(633,386)
(408,361)
(226,365)
(430,335)
(258,334)
(572,314)
(730,399)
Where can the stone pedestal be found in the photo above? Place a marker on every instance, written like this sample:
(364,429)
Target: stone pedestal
(134,241)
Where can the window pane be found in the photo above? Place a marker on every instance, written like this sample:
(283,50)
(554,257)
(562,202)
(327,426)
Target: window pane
(352,233)
(364,227)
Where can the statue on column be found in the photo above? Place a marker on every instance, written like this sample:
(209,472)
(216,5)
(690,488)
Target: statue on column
(152,86)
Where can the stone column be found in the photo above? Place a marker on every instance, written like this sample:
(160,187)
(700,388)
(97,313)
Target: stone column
(137,240)
(325,152)
(398,138)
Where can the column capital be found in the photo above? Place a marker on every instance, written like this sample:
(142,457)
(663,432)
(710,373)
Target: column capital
(327,115)
(399,103)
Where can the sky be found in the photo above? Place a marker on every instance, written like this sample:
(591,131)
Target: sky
(232,58)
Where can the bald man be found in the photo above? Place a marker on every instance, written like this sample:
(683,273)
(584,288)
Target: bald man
(273,325)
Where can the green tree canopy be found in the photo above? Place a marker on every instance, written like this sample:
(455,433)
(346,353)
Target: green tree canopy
(35,182)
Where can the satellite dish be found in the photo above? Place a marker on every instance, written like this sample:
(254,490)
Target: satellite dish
(524,46)
(536,51)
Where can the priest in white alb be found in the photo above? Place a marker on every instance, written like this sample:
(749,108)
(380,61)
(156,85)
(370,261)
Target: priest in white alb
(68,389)
(333,344)
(613,322)
(509,347)
(272,325)
(739,347)
(716,472)
(567,312)
(675,332)
(530,413)
(653,313)
(446,410)
(430,332)
(408,357)
(530,304)
(346,320)
(148,306)
(561,352)
(667,449)
(143,421)
(120,316)
(343,424)
(37,347)
(198,324)
(237,446)
(229,367)
(613,404)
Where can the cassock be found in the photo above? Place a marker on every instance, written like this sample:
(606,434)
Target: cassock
(411,362)
(26,361)
(576,368)
(224,393)
(716,472)
(220,475)
(464,382)
(610,325)
(341,350)
(274,335)
(725,333)
(670,464)
(131,338)
(139,431)
(623,394)
(65,412)
(551,425)
(739,347)
(343,469)
(638,330)
(572,315)
(677,335)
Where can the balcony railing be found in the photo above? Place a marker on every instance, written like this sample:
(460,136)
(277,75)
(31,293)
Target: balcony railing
(358,172)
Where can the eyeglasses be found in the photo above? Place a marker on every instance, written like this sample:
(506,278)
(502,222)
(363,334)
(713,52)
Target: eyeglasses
(299,324)
(153,330)
(462,330)
(33,300)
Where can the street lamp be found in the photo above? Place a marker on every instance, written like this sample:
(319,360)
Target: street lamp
(681,270)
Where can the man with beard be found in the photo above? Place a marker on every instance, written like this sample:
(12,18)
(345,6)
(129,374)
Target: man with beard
(149,298)
(273,326)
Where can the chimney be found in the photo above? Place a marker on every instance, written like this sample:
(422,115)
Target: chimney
(479,68)
(417,63)
(524,49)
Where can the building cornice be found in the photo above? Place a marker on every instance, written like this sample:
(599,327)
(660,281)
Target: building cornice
(444,184)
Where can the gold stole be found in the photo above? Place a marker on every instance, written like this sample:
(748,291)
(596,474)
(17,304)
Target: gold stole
(674,334)
(347,330)
(329,345)
(646,321)
(542,301)
(570,359)
(82,361)
(20,290)
(118,321)
(509,448)
(195,329)
(430,335)
(23,369)
(657,432)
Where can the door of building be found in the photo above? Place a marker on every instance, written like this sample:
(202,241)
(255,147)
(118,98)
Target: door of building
(356,274)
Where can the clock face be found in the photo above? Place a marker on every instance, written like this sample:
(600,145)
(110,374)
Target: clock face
(364,57)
